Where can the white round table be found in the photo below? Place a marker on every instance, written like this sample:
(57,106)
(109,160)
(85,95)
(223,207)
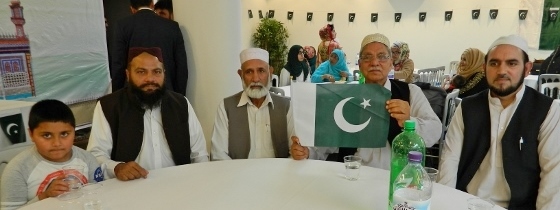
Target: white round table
(258,184)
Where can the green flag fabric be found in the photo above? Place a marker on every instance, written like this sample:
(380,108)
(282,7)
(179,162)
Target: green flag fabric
(13,128)
(341,115)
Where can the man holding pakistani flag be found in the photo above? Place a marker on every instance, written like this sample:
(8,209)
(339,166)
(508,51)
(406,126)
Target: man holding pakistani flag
(383,105)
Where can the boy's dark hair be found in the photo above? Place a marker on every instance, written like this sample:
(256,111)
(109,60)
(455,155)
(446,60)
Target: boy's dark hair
(164,4)
(50,111)
(140,3)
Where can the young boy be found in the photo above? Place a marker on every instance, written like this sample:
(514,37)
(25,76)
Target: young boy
(36,173)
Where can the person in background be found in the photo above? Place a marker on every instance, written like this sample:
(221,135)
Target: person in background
(296,68)
(311,56)
(253,123)
(327,45)
(164,8)
(470,78)
(407,102)
(146,29)
(502,143)
(404,66)
(333,70)
(36,173)
(145,126)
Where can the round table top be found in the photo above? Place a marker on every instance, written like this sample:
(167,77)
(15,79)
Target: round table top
(258,184)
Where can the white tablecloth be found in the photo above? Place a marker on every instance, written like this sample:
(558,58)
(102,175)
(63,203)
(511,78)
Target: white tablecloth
(258,184)
(532,81)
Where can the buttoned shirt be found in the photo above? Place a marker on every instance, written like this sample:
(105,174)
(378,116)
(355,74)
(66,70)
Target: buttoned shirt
(489,180)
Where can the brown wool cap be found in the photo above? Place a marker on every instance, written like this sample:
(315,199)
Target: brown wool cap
(135,51)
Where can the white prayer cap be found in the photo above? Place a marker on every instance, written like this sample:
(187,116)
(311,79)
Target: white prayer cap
(375,38)
(253,53)
(514,40)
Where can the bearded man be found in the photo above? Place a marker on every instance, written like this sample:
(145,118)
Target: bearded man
(502,143)
(145,126)
(253,123)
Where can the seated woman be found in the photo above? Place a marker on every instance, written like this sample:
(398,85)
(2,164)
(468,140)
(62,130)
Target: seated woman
(328,43)
(311,57)
(470,78)
(404,66)
(333,70)
(296,68)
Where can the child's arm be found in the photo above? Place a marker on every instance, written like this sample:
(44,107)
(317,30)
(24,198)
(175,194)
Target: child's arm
(55,188)
(14,188)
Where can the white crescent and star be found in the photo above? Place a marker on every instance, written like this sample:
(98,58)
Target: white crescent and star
(10,126)
(341,121)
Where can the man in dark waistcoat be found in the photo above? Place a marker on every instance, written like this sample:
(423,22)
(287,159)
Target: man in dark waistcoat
(407,102)
(145,126)
(503,143)
(253,123)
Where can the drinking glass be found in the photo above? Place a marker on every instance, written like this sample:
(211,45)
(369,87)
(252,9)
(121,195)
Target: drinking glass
(432,173)
(352,164)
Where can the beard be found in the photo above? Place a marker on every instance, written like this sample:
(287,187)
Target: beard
(501,92)
(257,93)
(148,100)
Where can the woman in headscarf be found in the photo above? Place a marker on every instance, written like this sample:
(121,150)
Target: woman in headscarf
(470,78)
(404,66)
(328,44)
(333,69)
(296,68)
(311,56)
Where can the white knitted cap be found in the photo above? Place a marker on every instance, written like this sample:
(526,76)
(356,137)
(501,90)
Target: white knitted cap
(514,40)
(375,38)
(253,53)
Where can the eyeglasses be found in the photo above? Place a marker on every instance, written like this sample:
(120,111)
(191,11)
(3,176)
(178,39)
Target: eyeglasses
(380,58)
(396,52)
(302,52)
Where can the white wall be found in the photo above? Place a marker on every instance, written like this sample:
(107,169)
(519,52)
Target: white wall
(434,42)
(211,29)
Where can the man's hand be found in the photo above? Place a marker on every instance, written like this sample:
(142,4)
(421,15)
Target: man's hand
(55,188)
(298,152)
(398,109)
(130,171)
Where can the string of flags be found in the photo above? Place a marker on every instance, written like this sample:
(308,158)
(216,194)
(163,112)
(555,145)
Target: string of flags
(475,14)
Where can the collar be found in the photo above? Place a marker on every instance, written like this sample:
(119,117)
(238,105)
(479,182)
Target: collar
(246,100)
(496,101)
(143,8)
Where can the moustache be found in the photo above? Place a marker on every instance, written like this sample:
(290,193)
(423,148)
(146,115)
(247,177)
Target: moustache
(148,84)
(256,84)
(502,76)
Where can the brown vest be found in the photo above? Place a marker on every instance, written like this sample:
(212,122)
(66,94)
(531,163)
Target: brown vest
(238,126)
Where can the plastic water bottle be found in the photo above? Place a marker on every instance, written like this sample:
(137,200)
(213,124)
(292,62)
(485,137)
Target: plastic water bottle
(403,143)
(391,74)
(413,186)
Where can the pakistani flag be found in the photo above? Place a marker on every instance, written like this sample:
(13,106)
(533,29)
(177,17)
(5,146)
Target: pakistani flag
(13,128)
(340,115)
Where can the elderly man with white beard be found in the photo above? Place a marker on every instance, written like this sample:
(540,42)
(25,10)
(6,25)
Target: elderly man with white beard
(253,123)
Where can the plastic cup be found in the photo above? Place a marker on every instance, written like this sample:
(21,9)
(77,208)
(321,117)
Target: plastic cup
(432,173)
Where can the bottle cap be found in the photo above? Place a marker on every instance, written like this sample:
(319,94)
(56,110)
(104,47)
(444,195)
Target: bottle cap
(414,156)
(409,124)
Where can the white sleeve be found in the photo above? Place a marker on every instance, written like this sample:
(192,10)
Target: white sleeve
(549,160)
(428,125)
(284,78)
(198,142)
(451,153)
(220,135)
(100,142)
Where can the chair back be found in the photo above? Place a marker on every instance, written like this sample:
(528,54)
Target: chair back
(275,80)
(453,66)
(546,78)
(551,89)
(434,76)
(277,91)
(6,154)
